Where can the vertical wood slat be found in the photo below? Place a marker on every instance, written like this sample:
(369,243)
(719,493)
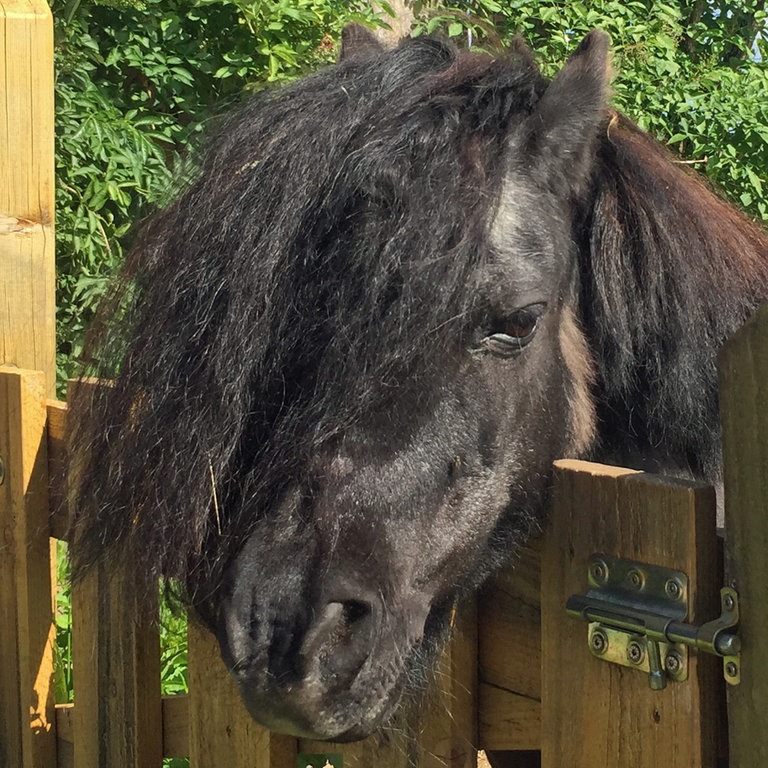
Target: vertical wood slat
(27,718)
(596,713)
(117,718)
(221,732)
(27,301)
(509,655)
(441,731)
(744,414)
(448,737)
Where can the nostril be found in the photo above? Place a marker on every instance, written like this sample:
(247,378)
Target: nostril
(344,622)
(340,640)
(355,611)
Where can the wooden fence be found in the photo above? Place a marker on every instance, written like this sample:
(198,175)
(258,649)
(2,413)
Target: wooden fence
(518,681)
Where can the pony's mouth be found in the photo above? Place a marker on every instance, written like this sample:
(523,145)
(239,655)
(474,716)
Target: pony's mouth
(343,678)
(316,709)
(293,718)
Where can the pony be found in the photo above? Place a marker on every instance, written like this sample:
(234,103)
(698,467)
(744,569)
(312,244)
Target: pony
(343,360)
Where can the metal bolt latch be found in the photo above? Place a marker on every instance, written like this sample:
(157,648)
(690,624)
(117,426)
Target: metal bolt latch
(636,614)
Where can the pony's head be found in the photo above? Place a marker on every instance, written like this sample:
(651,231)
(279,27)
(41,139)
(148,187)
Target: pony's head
(343,362)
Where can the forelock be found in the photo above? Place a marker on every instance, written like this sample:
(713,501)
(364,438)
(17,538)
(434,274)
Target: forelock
(320,260)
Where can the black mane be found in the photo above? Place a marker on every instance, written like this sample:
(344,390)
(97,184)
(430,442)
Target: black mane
(672,271)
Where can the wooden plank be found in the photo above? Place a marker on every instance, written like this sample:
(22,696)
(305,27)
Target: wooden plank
(65,737)
(441,730)
(176,726)
(391,748)
(221,732)
(508,721)
(175,715)
(116,662)
(744,413)
(116,666)
(27,722)
(509,653)
(57,465)
(27,302)
(596,713)
(448,736)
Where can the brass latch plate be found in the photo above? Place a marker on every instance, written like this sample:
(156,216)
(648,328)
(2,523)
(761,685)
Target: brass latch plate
(636,614)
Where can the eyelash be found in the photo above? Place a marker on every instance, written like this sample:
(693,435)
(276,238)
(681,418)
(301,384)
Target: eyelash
(512,334)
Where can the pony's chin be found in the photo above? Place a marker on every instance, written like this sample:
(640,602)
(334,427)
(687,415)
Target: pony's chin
(323,726)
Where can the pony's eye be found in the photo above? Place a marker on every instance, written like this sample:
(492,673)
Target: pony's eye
(521,325)
(514,333)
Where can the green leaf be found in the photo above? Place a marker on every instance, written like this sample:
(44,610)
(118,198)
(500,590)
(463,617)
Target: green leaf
(755,180)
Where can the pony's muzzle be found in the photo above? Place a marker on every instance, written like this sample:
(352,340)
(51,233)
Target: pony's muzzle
(329,672)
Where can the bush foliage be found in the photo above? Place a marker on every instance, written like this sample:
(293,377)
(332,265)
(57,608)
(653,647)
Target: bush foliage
(138,79)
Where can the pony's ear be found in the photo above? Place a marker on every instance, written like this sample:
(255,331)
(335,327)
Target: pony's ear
(562,130)
(520,50)
(358,42)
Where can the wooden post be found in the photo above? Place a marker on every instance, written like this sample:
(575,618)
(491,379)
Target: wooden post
(27,289)
(596,713)
(744,409)
(27,720)
(117,718)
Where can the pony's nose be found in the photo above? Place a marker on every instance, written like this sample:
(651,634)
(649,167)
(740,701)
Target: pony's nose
(339,640)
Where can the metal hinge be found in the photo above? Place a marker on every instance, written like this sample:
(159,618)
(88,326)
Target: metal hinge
(636,614)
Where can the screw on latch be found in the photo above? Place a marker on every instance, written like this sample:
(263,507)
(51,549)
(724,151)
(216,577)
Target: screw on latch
(598,642)
(599,570)
(656,677)
(673,662)
(729,602)
(635,652)
(636,579)
(732,669)
(673,589)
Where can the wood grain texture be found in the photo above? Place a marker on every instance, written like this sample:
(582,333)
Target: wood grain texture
(27,277)
(599,714)
(27,721)
(509,656)
(175,716)
(508,721)
(117,722)
(57,466)
(744,413)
